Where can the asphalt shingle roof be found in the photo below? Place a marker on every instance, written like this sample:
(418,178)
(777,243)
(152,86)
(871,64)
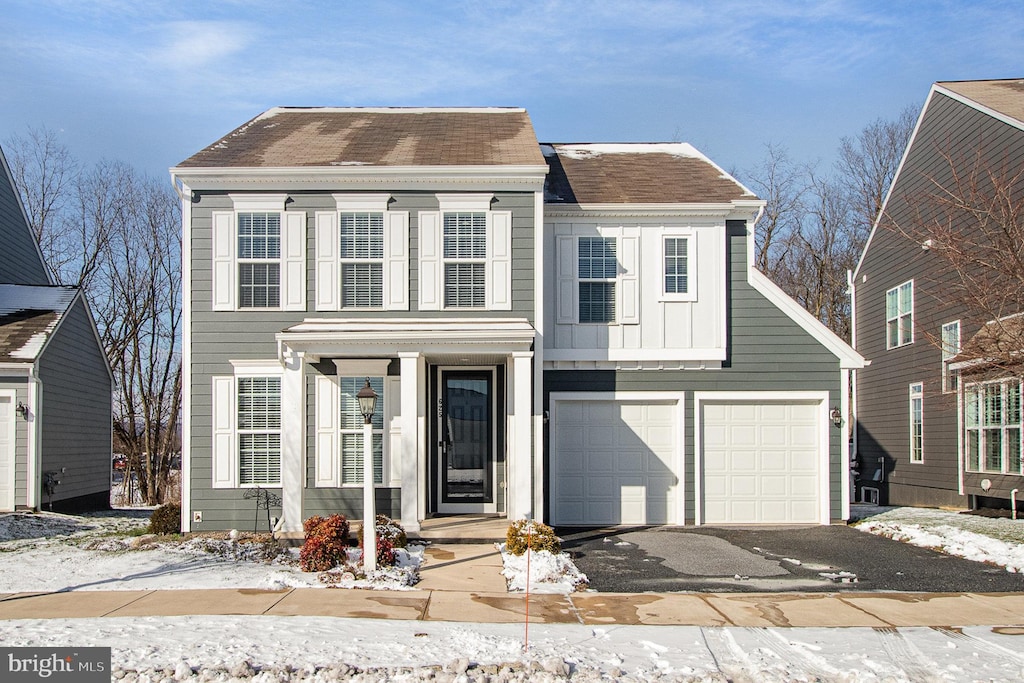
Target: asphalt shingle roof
(28,314)
(1004,96)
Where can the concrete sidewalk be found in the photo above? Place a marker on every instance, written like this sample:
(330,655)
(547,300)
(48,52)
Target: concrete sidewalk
(463,583)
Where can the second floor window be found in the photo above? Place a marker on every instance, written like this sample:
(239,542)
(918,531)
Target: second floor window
(465,259)
(598,269)
(677,275)
(362,259)
(899,315)
(259,260)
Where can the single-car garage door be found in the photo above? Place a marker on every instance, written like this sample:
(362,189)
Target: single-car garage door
(615,462)
(761,462)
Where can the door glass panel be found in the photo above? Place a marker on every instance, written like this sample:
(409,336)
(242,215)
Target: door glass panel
(467,442)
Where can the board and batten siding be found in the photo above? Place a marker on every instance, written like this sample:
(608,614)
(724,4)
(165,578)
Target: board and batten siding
(20,262)
(883,435)
(218,337)
(76,410)
(767,352)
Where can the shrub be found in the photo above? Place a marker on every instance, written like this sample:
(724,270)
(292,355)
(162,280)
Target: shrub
(166,519)
(326,540)
(526,533)
(390,535)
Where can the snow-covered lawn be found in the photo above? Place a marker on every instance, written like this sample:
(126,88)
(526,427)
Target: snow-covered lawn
(546,572)
(997,541)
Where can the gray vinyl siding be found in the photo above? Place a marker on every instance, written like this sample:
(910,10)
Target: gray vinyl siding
(76,404)
(21,426)
(19,260)
(218,337)
(767,351)
(882,388)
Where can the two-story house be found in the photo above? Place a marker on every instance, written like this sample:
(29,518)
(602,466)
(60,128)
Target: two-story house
(55,383)
(934,426)
(572,333)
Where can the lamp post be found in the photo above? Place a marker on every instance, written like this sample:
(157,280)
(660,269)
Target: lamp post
(367,398)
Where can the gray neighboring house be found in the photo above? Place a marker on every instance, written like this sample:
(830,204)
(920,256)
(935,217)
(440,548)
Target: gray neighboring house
(573,333)
(931,425)
(55,383)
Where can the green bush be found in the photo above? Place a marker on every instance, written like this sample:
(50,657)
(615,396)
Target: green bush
(166,519)
(326,540)
(523,534)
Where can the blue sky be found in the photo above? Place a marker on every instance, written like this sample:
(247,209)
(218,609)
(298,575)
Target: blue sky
(151,83)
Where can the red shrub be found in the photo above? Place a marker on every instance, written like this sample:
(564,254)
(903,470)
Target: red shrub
(326,540)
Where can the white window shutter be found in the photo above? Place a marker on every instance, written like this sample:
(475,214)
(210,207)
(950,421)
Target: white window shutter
(327,419)
(499,261)
(293,261)
(431,276)
(328,253)
(225,449)
(225,245)
(396,260)
(565,295)
(629,281)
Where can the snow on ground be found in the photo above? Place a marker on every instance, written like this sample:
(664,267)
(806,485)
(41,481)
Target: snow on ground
(997,541)
(547,572)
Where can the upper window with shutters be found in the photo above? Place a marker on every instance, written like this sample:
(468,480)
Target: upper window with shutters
(362,255)
(598,277)
(259,255)
(465,255)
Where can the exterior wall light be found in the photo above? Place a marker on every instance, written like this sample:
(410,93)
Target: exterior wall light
(837,417)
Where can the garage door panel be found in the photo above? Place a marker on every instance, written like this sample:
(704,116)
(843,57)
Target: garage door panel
(761,461)
(625,452)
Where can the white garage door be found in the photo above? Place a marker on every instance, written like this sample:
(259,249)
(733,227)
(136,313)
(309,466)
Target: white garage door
(614,462)
(761,462)
(7,425)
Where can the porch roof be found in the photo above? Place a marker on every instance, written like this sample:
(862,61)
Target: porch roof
(347,337)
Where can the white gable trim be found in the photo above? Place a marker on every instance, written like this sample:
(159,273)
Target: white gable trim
(848,358)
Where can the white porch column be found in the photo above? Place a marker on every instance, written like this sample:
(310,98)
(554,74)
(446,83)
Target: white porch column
(412,382)
(520,442)
(293,440)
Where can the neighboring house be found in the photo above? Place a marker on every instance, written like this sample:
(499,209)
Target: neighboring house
(55,384)
(932,427)
(572,333)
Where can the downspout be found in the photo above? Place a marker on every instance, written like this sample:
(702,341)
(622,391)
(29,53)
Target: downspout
(853,373)
(1013,503)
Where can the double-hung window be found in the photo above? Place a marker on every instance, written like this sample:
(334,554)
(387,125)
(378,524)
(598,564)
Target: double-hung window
(259,430)
(678,266)
(352,430)
(950,348)
(916,422)
(899,315)
(362,259)
(259,259)
(598,268)
(992,425)
(465,259)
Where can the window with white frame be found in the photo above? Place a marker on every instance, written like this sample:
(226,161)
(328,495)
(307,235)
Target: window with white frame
(676,256)
(259,259)
(950,348)
(992,426)
(259,430)
(899,315)
(362,259)
(597,268)
(352,430)
(465,259)
(916,422)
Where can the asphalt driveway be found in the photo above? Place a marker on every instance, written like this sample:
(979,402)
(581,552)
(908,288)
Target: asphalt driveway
(771,559)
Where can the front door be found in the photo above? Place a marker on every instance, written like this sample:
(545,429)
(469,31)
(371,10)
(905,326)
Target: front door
(466,443)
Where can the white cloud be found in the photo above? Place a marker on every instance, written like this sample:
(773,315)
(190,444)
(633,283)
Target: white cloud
(191,44)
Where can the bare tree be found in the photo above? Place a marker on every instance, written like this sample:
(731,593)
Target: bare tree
(970,219)
(116,233)
(782,185)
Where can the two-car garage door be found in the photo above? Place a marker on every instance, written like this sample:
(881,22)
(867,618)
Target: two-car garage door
(618,460)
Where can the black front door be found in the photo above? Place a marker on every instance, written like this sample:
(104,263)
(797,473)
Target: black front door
(466,444)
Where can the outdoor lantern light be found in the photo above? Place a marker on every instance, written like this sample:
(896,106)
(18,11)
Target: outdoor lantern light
(22,410)
(836,415)
(367,398)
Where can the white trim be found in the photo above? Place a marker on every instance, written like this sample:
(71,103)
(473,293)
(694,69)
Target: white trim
(293,442)
(496,420)
(540,322)
(740,209)
(899,316)
(518,489)
(377,201)
(678,463)
(848,358)
(11,457)
(34,454)
(257,368)
(464,201)
(186,358)
(824,424)
(690,237)
(919,395)
(258,202)
(362,367)
(846,430)
(637,355)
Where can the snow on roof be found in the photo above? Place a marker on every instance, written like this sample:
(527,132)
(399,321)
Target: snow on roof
(28,316)
(593,149)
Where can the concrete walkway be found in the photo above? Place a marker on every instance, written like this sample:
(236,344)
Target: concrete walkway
(463,583)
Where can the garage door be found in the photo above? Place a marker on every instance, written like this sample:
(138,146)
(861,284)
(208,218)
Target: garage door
(614,462)
(761,462)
